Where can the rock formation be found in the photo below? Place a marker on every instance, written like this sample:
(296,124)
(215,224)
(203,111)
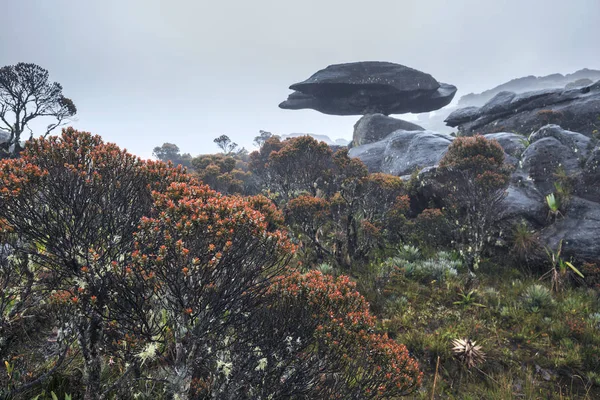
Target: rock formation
(573,109)
(551,153)
(583,77)
(374,127)
(369,87)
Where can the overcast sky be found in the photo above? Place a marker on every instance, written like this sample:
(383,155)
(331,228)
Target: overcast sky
(145,72)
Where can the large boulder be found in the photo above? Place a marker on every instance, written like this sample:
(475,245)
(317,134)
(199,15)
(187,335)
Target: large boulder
(589,185)
(369,87)
(402,152)
(375,127)
(573,109)
(579,229)
(554,150)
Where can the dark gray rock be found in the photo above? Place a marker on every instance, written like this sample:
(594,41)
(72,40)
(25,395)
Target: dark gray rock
(4,136)
(512,144)
(589,185)
(403,152)
(463,115)
(370,154)
(498,104)
(523,202)
(553,148)
(374,127)
(574,109)
(578,144)
(579,229)
(367,88)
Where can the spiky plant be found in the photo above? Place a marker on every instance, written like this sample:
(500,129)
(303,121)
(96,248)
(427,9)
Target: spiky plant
(468,352)
(525,242)
(536,297)
(553,206)
(560,269)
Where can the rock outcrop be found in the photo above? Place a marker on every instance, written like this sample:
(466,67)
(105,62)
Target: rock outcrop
(403,152)
(573,109)
(369,87)
(4,136)
(551,153)
(374,127)
(581,78)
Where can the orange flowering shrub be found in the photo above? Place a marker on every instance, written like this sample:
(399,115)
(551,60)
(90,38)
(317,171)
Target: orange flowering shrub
(212,257)
(74,202)
(299,166)
(224,173)
(323,345)
(476,179)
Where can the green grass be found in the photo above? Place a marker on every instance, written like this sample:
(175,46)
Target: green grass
(538,344)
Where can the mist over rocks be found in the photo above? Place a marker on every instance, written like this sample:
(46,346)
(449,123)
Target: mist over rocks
(321,138)
(581,78)
(573,109)
(369,87)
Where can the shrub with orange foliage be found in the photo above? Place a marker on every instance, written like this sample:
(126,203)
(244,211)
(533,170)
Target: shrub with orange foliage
(74,203)
(212,258)
(321,345)
(476,179)
(307,215)
(300,165)
(361,197)
(227,174)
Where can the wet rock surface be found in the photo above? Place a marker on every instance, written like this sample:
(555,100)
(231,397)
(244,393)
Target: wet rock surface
(369,87)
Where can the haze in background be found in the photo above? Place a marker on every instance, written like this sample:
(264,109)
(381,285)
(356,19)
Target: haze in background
(145,72)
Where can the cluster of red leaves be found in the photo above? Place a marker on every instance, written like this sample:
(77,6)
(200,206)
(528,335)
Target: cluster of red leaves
(372,364)
(306,209)
(481,158)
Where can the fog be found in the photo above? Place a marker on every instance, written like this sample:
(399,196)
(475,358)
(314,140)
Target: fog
(145,72)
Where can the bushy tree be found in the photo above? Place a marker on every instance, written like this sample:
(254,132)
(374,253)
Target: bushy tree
(227,174)
(302,164)
(170,152)
(475,179)
(74,203)
(27,94)
(326,327)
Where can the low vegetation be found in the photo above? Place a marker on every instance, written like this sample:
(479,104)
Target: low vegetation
(290,272)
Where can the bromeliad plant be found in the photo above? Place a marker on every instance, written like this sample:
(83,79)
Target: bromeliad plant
(560,270)
(553,206)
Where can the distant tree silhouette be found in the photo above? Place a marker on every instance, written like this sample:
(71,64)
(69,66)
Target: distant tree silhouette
(27,94)
(170,152)
(225,144)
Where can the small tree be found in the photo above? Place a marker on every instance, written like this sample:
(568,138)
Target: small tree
(27,94)
(475,179)
(225,144)
(211,259)
(300,165)
(262,138)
